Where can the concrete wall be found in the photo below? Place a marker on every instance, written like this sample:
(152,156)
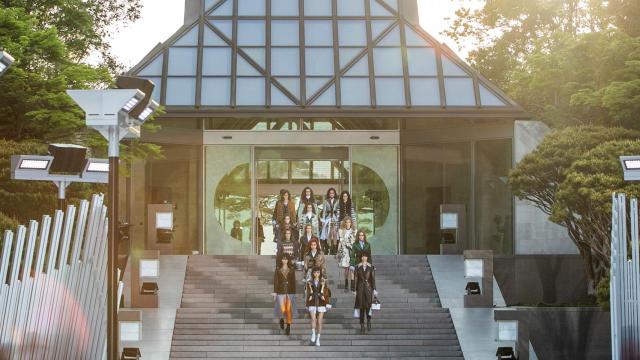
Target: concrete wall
(535,279)
(534,233)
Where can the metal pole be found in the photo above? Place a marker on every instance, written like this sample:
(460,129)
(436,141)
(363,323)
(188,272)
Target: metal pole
(112,281)
(62,191)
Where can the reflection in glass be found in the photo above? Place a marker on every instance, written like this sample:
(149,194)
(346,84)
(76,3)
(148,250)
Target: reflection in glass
(439,174)
(227,199)
(375,192)
(494,202)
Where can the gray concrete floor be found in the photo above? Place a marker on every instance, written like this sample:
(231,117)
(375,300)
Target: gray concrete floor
(157,324)
(476,328)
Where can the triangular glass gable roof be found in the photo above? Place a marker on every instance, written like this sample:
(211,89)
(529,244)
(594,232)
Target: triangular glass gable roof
(361,53)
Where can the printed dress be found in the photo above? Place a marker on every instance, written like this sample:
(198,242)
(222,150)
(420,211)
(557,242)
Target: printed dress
(347,238)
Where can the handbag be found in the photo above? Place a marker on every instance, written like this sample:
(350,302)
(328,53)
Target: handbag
(356,313)
(375,305)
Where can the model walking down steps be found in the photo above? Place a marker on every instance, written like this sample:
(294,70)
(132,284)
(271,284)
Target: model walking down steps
(227,312)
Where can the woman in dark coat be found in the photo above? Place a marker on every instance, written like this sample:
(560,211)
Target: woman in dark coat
(284,291)
(365,283)
(361,245)
(346,209)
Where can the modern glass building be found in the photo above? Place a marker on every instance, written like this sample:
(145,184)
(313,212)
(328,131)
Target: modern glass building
(263,95)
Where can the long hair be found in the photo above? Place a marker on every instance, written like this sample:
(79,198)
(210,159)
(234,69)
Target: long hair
(345,208)
(282,192)
(315,240)
(303,199)
(334,191)
(284,256)
(363,233)
(343,223)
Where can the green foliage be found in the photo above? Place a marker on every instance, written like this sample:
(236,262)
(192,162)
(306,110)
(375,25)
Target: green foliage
(7,223)
(602,293)
(83,25)
(567,62)
(584,199)
(543,177)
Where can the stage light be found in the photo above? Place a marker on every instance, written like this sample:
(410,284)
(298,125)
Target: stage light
(31,164)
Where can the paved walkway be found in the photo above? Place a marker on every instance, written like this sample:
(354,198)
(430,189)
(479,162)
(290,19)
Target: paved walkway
(475,327)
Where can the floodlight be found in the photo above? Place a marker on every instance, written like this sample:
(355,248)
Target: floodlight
(143,85)
(102,167)
(32,164)
(150,109)
(631,167)
(67,158)
(5,61)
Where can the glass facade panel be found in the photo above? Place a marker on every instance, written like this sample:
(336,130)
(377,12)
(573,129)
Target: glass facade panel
(181,91)
(284,7)
(216,61)
(250,91)
(285,62)
(350,7)
(378,26)
(494,202)
(361,68)
(459,91)
(449,68)
(227,199)
(154,68)
(355,91)
(387,61)
(216,91)
(391,39)
(321,62)
(251,7)
(436,174)
(300,170)
(422,62)
(317,8)
(251,33)
(318,33)
(375,193)
(390,91)
(352,33)
(182,61)
(285,33)
(321,169)
(425,91)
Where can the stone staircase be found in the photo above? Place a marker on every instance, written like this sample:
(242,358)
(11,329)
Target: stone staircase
(227,312)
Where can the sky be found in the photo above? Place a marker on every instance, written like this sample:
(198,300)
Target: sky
(157,23)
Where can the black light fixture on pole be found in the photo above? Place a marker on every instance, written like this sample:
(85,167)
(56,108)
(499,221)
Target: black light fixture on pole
(116,114)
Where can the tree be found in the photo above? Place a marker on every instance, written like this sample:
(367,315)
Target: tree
(584,199)
(567,62)
(539,176)
(84,26)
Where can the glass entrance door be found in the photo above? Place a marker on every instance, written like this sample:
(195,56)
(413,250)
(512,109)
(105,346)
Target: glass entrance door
(293,169)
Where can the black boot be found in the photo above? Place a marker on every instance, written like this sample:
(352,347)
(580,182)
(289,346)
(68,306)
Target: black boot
(288,331)
(353,285)
(346,284)
(282,324)
(369,324)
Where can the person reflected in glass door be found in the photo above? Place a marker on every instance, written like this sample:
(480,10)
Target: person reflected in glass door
(236,232)
(284,207)
(306,198)
(260,232)
(347,235)
(329,235)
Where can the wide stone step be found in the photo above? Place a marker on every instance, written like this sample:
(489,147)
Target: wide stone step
(227,312)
